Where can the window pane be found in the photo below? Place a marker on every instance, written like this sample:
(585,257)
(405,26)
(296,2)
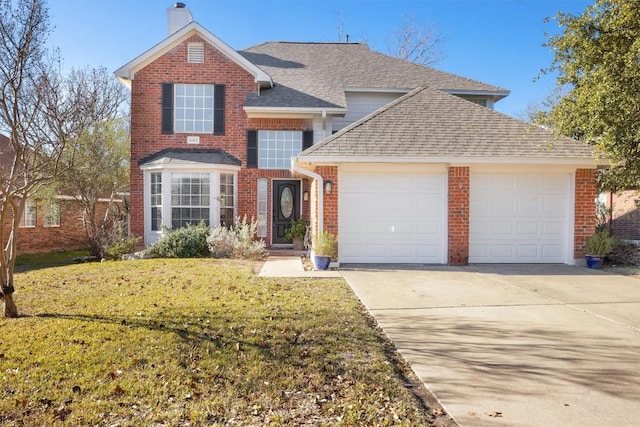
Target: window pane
(52,215)
(156,200)
(194,108)
(262,208)
(189,198)
(275,148)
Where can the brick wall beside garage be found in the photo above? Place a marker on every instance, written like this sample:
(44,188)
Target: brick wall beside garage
(585,209)
(458,210)
(330,219)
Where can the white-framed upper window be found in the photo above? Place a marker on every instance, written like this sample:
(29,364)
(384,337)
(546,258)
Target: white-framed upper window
(276,147)
(193,108)
(51,216)
(189,199)
(28,218)
(195,53)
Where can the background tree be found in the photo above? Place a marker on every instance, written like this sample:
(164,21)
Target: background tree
(417,42)
(98,167)
(43,115)
(597,58)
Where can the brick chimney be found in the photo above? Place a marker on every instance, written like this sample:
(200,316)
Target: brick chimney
(178,16)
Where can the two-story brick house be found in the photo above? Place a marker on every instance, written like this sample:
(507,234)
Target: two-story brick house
(404,162)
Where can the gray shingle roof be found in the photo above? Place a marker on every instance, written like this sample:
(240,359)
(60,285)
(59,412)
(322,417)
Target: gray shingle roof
(316,74)
(427,123)
(210,156)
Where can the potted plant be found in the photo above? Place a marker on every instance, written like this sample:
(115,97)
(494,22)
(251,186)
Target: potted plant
(597,246)
(296,232)
(324,248)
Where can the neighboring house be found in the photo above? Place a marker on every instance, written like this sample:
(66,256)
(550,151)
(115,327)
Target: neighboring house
(51,225)
(405,163)
(623,212)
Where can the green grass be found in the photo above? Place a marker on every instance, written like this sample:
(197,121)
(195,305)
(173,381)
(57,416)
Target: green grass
(50,259)
(193,342)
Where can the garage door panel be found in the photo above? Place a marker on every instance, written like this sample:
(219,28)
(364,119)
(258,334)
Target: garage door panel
(527,228)
(401,218)
(518,218)
(553,228)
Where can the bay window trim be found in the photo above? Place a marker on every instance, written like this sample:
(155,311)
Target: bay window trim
(214,171)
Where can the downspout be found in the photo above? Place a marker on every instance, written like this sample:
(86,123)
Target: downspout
(297,168)
(324,124)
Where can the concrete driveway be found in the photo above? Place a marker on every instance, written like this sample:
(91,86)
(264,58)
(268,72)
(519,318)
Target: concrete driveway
(515,345)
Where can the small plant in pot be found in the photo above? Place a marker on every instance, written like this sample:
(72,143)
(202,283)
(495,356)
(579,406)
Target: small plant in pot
(324,248)
(296,232)
(597,246)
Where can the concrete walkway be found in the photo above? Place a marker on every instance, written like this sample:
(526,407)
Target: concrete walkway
(515,345)
(290,265)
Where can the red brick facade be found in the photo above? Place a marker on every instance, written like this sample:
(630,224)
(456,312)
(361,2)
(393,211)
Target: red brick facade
(585,214)
(458,208)
(330,201)
(68,235)
(147,138)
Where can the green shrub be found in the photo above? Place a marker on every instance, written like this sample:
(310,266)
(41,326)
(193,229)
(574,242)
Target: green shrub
(186,242)
(599,243)
(236,241)
(124,246)
(325,244)
(296,230)
(624,253)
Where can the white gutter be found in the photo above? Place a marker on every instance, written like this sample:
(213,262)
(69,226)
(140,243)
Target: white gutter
(297,168)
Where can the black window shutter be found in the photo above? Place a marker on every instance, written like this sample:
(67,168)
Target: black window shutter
(252,148)
(307,139)
(218,110)
(167,108)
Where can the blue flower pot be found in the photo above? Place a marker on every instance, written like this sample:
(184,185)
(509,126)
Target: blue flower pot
(321,262)
(593,261)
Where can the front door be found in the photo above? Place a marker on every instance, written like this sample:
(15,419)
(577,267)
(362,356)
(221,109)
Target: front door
(286,207)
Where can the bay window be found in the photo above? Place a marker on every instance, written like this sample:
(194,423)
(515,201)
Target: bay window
(176,197)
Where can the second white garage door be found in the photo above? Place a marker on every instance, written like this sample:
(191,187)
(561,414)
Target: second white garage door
(392,215)
(519,218)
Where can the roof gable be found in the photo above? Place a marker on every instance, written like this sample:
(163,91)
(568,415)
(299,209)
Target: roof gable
(429,124)
(127,72)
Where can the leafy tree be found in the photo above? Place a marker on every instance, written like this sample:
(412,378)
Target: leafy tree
(597,58)
(98,167)
(43,115)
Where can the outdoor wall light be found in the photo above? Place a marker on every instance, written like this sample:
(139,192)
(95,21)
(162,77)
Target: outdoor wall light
(327,187)
(305,196)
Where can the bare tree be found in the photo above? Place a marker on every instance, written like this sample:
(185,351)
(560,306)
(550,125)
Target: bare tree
(416,42)
(43,116)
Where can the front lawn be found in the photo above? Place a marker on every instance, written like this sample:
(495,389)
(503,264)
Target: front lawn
(194,342)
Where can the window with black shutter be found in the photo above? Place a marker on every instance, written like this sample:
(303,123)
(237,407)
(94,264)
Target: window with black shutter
(193,108)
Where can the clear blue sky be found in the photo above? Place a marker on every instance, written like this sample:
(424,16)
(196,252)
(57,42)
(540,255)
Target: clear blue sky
(494,41)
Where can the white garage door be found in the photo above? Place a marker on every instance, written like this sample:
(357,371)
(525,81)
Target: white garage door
(518,218)
(392,215)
